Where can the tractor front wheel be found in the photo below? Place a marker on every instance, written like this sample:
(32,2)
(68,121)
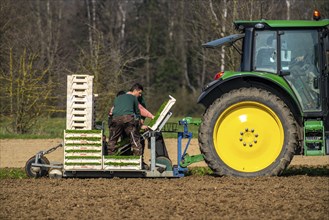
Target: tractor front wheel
(248,132)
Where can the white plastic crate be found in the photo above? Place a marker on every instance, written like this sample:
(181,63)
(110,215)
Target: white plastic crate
(83,150)
(82,160)
(77,147)
(163,113)
(80,102)
(83,167)
(108,167)
(122,163)
(83,154)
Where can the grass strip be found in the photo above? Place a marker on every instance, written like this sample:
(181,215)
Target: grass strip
(54,127)
(12,173)
(199,171)
(307,170)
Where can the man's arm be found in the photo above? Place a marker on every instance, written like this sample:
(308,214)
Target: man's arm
(136,109)
(145,112)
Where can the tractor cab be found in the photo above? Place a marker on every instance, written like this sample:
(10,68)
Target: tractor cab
(293,54)
(292,49)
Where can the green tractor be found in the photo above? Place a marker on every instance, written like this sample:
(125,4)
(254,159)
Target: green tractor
(275,105)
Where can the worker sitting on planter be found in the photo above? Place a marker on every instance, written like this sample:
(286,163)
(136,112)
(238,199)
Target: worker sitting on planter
(160,144)
(126,120)
(142,108)
(144,114)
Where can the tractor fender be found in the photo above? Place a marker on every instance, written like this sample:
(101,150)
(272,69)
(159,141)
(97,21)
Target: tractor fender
(275,85)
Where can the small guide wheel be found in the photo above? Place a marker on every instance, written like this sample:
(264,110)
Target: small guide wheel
(55,173)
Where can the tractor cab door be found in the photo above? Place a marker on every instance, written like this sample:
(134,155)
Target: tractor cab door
(265,51)
(300,65)
(295,55)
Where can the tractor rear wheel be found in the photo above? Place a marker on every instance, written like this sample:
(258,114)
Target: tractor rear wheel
(35,172)
(248,132)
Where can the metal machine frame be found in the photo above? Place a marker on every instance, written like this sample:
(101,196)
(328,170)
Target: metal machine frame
(155,170)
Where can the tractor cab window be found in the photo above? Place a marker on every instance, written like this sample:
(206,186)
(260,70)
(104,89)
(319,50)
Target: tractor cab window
(299,59)
(265,52)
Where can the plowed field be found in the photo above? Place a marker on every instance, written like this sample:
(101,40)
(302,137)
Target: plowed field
(300,195)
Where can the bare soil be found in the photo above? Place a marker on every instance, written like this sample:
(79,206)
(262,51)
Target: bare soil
(294,196)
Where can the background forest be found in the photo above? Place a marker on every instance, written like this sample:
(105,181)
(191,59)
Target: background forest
(120,42)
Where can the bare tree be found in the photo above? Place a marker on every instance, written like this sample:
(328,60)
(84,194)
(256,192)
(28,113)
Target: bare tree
(183,47)
(26,93)
(288,9)
(157,43)
(123,12)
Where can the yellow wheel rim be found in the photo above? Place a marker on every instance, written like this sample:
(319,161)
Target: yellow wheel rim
(248,136)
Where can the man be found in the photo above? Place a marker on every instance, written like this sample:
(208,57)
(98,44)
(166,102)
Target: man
(125,114)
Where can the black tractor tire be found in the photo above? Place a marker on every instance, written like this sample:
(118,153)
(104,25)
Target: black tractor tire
(248,132)
(43,170)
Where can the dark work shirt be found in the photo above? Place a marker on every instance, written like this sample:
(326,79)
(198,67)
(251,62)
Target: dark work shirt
(126,104)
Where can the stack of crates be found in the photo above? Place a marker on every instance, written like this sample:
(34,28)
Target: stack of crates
(82,145)
(80,102)
(83,150)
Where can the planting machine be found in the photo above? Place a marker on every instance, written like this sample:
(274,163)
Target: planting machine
(85,147)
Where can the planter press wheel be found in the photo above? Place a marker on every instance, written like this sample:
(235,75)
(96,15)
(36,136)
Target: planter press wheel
(33,172)
(248,132)
(164,161)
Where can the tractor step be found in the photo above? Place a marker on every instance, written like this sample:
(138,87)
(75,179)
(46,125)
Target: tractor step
(314,138)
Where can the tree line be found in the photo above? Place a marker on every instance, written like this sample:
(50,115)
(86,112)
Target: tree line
(154,42)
